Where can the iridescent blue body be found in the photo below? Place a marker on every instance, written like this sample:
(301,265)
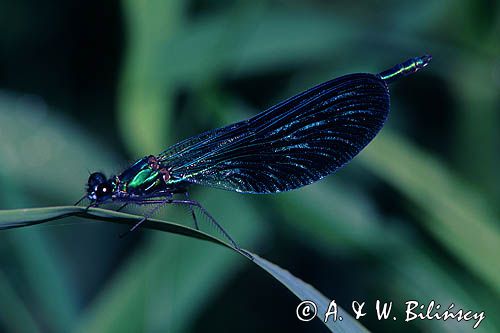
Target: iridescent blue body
(408,67)
(290,145)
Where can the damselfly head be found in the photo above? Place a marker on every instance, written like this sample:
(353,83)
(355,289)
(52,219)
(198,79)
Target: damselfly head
(99,188)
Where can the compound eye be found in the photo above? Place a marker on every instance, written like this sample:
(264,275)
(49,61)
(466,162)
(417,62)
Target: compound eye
(103,190)
(96,179)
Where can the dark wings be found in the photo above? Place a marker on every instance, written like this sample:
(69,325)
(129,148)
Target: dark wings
(290,145)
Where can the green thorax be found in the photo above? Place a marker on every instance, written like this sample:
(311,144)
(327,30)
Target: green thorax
(140,179)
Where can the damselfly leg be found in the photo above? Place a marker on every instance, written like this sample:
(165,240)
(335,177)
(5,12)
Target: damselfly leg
(159,204)
(81,199)
(192,212)
(91,205)
(122,206)
(193,204)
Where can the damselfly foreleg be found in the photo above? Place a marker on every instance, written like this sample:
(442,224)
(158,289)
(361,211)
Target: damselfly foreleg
(159,204)
(122,206)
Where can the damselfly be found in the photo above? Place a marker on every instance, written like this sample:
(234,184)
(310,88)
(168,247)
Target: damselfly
(290,145)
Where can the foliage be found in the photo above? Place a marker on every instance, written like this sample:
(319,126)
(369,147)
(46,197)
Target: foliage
(413,217)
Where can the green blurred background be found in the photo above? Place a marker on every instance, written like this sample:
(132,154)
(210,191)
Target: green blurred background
(92,86)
